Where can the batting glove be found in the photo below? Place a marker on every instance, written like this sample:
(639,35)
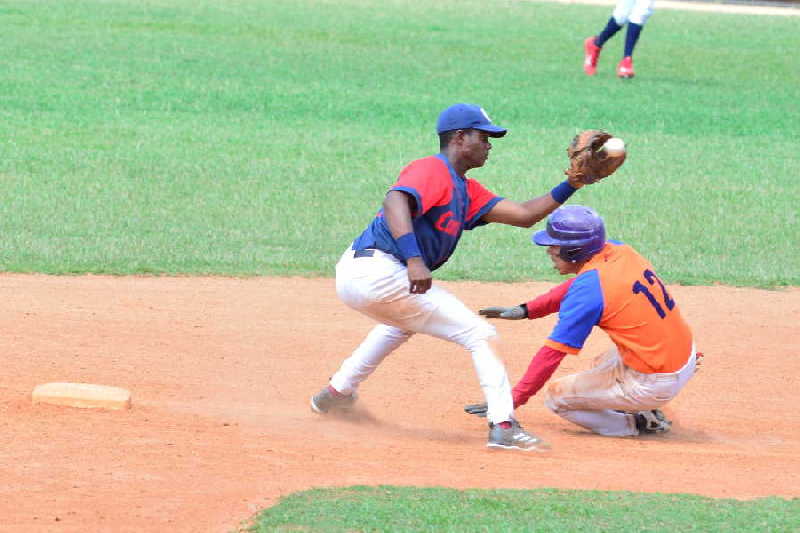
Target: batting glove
(477,409)
(517,312)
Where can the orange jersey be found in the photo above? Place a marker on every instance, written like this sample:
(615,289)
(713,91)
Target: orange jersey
(618,290)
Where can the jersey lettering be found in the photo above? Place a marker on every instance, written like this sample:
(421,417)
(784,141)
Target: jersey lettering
(444,205)
(448,224)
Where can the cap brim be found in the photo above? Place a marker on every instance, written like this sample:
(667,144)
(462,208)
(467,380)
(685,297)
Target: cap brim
(492,130)
(543,239)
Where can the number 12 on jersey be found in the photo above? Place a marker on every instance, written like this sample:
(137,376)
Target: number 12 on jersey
(640,288)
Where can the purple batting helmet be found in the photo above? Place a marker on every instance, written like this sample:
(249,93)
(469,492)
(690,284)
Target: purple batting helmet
(577,229)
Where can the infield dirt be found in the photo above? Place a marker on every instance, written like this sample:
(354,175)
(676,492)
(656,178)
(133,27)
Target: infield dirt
(221,371)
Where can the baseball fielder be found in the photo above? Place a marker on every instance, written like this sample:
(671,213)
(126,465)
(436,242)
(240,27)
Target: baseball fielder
(386,272)
(617,290)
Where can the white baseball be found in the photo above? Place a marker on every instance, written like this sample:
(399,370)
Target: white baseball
(614,146)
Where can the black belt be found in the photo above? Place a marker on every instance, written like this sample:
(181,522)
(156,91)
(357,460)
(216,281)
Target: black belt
(366,252)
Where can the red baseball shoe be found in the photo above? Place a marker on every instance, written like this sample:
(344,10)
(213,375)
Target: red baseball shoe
(591,52)
(625,68)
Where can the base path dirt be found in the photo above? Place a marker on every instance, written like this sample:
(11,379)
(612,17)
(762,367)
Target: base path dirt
(221,371)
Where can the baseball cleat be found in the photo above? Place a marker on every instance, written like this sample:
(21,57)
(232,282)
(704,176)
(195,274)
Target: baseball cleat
(327,399)
(625,68)
(591,53)
(514,438)
(648,422)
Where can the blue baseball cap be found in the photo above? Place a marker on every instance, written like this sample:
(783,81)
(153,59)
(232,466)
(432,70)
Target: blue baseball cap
(467,116)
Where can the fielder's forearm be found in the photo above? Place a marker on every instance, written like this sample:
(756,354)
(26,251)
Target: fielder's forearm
(528,213)
(540,207)
(537,209)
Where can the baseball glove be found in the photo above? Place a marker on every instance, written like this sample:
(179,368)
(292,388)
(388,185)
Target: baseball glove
(588,162)
(477,409)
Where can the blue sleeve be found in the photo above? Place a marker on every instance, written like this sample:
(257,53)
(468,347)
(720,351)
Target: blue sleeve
(580,311)
(476,221)
(415,195)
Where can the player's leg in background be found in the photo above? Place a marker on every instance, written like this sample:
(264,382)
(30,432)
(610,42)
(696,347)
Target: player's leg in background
(631,38)
(640,12)
(594,44)
(611,29)
(619,17)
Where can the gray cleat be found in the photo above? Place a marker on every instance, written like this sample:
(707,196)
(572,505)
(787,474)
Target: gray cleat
(514,438)
(325,400)
(648,422)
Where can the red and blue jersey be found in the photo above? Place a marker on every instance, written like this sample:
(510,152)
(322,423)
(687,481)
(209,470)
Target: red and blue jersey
(445,204)
(618,290)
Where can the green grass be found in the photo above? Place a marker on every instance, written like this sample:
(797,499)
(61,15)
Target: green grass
(258,137)
(439,510)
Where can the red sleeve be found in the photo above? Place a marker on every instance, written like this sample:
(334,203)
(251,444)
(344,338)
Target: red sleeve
(479,197)
(541,367)
(549,302)
(428,181)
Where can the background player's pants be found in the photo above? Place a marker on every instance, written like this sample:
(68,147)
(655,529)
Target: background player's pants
(636,11)
(377,286)
(593,398)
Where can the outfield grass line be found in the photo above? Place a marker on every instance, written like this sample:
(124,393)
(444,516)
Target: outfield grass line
(740,8)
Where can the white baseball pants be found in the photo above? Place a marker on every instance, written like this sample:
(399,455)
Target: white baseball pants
(636,11)
(377,286)
(593,399)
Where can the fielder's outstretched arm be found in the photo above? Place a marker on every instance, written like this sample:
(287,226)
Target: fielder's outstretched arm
(522,215)
(526,214)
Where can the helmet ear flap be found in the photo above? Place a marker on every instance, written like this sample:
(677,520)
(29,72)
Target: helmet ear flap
(569,254)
